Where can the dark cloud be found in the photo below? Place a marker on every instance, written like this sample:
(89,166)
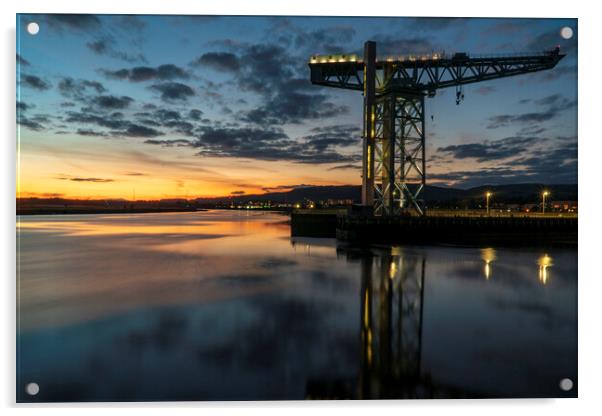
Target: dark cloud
(22,61)
(533,117)
(106,47)
(47,194)
(232,138)
(182,127)
(221,61)
(146,73)
(29,123)
(304,42)
(195,114)
(325,138)
(136,130)
(330,40)
(277,76)
(130,23)
(467,179)
(237,193)
(294,108)
(79,89)
(554,105)
(265,144)
(93,133)
(555,163)
(100,46)
(173,91)
(77,22)
(287,187)
(111,102)
(35,123)
(345,167)
(171,119)
(169,143)
(114,121)
(78,179)
(490,150)
(41,118)
(550,100)
(533,130)
(108,121)
(21,106)
(35,82)
(167,115)
(263,67)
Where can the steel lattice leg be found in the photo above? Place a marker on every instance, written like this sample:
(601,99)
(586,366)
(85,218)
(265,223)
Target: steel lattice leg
(399,154)
(410,148)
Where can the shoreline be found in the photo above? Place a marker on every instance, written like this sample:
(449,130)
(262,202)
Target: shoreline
(79,211)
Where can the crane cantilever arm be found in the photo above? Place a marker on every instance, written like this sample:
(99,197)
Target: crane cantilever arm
(427,74)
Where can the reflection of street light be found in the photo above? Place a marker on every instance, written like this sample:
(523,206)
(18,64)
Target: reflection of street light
(544,262)
(487,196)
(543,205)
(488,255)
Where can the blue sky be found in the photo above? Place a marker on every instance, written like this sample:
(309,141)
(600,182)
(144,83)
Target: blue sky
(172,106)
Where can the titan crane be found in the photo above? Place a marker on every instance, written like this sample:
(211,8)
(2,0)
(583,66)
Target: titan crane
(393,155)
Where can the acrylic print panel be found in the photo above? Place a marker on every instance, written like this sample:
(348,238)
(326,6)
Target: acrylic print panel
(258,208)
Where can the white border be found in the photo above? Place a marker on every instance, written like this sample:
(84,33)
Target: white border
(590,149)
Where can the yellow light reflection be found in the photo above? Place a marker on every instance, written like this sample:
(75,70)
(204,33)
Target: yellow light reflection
(392,269)
(369,162)
(369,352)
(366,311)
(488,256)
(544,262)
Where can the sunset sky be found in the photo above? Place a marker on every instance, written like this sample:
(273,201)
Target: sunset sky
(156,107)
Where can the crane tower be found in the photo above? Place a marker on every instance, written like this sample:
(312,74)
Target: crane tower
(394,89)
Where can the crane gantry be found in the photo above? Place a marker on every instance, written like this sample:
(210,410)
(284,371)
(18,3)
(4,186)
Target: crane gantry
(394,89)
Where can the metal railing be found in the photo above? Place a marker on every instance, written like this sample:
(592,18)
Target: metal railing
(497,213)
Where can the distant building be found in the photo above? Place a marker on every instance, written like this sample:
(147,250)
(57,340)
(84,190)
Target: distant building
(338,202)
(513,207)
(530,207)
(564,206)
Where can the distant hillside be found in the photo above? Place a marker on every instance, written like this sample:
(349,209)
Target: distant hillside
(524,192)
(314,193)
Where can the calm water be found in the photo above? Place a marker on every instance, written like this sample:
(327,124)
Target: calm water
(225,305)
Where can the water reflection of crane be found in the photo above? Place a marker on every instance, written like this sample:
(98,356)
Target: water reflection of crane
(392,292)
(391,320)
(391,303)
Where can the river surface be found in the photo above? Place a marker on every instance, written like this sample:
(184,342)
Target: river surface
(225,305)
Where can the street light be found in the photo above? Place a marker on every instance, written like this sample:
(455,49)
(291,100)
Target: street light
(487,196)
(543,202)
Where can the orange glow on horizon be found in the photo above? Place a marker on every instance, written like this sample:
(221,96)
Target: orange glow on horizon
(72,168)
